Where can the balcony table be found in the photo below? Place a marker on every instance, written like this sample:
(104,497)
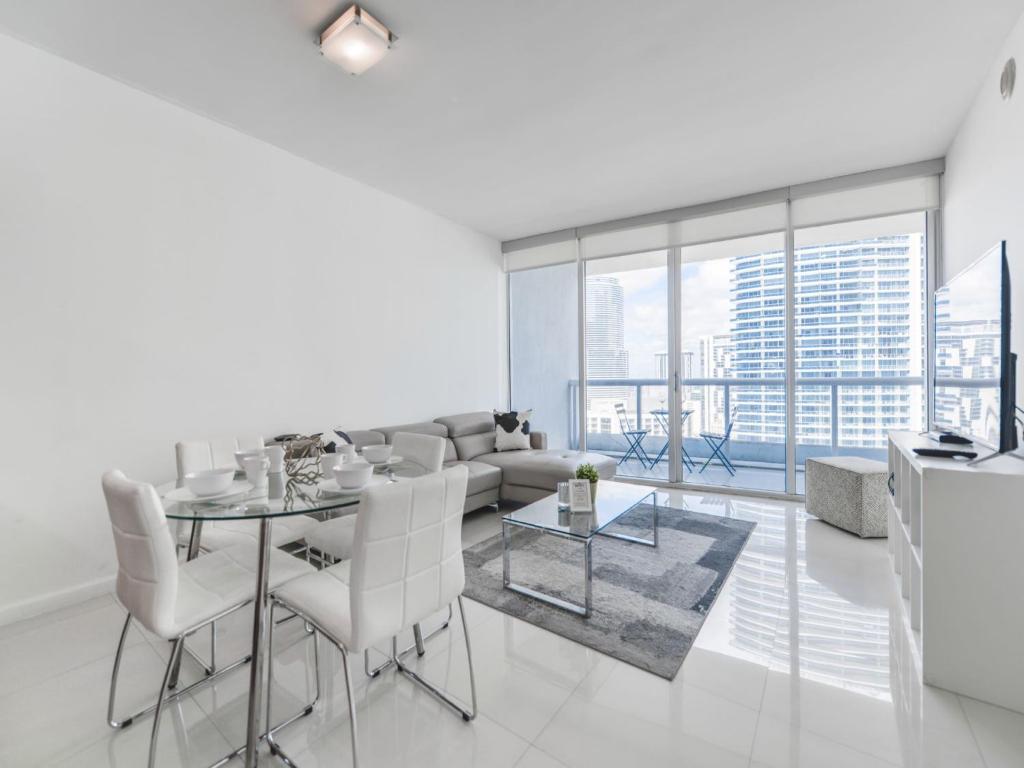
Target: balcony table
(293,492)
(661,414)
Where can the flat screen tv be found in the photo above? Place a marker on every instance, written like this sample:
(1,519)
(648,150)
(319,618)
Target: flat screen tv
(974,394)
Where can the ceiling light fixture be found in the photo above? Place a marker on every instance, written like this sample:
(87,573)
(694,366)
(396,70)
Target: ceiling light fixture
(356,41)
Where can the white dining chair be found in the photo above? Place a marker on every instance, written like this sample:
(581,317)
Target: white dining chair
(173,601)
(334,537)
(198,455)
(406,566)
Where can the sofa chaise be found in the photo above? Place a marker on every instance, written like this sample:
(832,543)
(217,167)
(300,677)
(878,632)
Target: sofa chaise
(520,476)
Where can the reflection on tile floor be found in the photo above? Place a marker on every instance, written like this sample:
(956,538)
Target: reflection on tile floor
(801,662)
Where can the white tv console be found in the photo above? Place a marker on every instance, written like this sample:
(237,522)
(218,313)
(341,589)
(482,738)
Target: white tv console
(956,539)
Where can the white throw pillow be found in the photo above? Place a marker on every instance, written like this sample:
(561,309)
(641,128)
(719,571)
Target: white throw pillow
(512,430)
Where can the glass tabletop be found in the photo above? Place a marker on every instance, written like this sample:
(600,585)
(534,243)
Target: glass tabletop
(613,500)
(295,491)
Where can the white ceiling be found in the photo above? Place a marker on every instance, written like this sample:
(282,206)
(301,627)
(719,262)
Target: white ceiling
(518,117)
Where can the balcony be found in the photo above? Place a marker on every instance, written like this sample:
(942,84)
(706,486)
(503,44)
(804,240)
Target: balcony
(848,416)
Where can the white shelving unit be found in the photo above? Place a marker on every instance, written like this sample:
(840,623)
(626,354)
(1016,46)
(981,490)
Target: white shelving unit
(956,540)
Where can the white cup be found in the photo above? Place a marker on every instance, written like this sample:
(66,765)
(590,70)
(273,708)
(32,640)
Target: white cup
(275,453)
(256,468)
(347,451)
(329,461)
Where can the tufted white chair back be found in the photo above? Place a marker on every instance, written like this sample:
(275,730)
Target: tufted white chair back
(407,554)
(425,450)
(147,564)
(197,455)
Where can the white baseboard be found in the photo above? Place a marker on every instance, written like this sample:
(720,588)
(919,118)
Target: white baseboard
(52,601)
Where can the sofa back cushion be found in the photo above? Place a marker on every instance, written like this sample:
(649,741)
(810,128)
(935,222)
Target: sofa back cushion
(418,428)
(423,428)
(471,446)
(462,424)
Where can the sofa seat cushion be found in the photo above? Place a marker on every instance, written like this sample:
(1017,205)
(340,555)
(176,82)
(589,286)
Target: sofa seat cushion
(545,469)
(482,477)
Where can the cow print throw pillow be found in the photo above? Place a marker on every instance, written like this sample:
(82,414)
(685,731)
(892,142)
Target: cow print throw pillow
(512,430)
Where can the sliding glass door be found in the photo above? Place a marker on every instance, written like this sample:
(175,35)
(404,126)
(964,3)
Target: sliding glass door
(729,419)
(626,354)
(732,366)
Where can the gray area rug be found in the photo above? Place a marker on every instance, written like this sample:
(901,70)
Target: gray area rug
(648,604)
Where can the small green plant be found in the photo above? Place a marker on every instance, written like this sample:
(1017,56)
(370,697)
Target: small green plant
(586,472)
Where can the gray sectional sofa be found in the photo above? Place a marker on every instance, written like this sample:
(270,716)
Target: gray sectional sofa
(521,476)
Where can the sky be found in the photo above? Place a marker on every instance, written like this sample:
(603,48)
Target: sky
(705,310)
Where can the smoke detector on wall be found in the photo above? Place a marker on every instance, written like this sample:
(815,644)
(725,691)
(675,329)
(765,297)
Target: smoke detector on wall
(1007,78)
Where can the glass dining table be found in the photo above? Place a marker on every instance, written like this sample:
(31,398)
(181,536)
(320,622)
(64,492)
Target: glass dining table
(300,490)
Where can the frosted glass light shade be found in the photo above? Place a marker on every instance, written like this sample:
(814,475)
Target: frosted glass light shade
(356,41)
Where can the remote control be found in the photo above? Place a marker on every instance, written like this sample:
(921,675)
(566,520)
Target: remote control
(948,437)
(945,453)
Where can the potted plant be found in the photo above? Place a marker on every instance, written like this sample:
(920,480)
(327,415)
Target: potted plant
(588,472)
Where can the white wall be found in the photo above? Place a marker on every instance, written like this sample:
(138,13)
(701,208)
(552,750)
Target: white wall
(984,183)
(165,277)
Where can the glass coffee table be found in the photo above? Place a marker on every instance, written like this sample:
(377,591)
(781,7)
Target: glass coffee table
(613,500)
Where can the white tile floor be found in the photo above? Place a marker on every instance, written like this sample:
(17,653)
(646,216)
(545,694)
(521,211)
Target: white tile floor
(801,662)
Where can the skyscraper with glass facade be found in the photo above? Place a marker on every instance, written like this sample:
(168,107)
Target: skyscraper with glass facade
(858,315)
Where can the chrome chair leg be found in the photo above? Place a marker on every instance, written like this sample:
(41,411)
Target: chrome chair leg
(113,678)
(175,656)
(270,658)
(351,708)
(469,658)
(269,735)
(308,709)
(374,672)
(208,670)
(176,692)
(433,690)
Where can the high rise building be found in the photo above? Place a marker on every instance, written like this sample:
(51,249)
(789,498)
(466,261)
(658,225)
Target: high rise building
(607,357)
(715,363)
(858,313)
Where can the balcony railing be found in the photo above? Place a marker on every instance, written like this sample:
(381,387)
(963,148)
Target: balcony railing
(813,438)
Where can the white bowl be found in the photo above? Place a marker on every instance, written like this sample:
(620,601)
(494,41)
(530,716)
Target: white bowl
(353,475)
(208,482)
(377,454)
(241,456)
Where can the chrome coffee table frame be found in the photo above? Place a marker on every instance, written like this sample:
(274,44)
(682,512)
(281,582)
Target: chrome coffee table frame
(586,539)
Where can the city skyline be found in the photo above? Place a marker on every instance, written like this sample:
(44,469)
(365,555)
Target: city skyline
(859,313)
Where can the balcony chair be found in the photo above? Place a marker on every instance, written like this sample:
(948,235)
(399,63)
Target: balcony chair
(406,566)
(718,441)
(173,601)
(334,539)
(634,437)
